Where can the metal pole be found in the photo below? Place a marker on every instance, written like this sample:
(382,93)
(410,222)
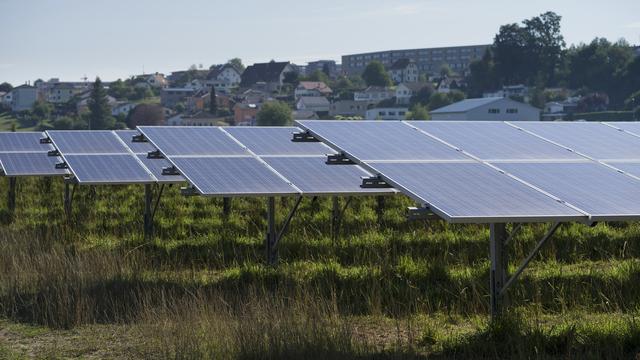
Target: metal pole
(380,207)
(271,252)
(67,201)
(226,207)
(499,263)
(148,201)
(335,213)
(11,196)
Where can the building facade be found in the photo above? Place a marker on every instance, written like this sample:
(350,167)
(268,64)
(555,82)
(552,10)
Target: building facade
(487,109)
(428,60)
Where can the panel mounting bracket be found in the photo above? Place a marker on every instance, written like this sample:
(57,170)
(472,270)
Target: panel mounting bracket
(304,136)
(156,154)
(62,165)
(374,182)
(45,140)
(138,138)
(338,159)
(188,191)
(171,170)
(421,213)
(53,153)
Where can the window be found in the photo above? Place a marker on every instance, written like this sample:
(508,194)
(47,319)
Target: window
(382,113)
(494,111)
(402,113)
(512,111)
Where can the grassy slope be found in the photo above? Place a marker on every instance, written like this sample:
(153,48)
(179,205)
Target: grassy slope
(390,289)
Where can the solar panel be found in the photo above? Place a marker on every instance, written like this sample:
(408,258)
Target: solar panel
(155,166)
(473,192)
(600,191)
(380,140)
(595,140)
(311,175)
(87,142)
(275,141)
(30,164)
(232,176)
(109,169)
(631,168)
(629,126)
(27,141)
(191,141)
(490,140)
(136,147)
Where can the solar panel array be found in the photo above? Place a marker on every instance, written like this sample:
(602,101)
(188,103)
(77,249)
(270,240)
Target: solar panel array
(101,157)
(22,154)
(499,171)
(242,161)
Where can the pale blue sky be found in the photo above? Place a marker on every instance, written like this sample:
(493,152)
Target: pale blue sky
(116,38)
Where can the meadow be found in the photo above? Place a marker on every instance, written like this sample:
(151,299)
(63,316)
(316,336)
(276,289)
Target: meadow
(92,287)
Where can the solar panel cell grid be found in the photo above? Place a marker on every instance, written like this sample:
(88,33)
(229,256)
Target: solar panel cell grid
(87,142)
(192,141)
(23,141)
(136,147)
(30,164)
(108,169)
(155,166)
(275,141)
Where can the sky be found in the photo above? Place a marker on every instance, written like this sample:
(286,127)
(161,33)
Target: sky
(71,39)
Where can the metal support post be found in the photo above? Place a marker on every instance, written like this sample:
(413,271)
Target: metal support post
(499,264)
(335,215)
(67,201)
(380,207)
(271,238)
(148,216)
(11,196)
(226,207)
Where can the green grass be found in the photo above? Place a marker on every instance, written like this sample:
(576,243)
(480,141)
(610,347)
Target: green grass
(387,288)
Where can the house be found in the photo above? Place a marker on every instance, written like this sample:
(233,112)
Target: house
(403,70)
(23,97)
(197,101)
(317,104)
(271,73)
(63,92)
(305,115)
(245,114)
(386,114)
(374,94)
(82,106)
(312,88)
(350,108)
(329,67)
(156,81)
(122,108)
(170,97)
(224,78)
(405,91)
(558,110)
(510,91)
(487,109)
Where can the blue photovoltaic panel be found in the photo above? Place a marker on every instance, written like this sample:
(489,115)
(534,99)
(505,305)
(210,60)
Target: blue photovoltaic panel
(155,166)
(275,141)
(232,176)
(87,142)
(108,169)
(136,147)
(380,140)
(632,168)
(595,140)
(30,164)
(191,141)
(313,177)
(473,192)
(27,141)
(490,140)
(592,187)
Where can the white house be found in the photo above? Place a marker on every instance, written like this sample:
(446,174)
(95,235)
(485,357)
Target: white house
(156,80)
(405,91)
(374,94)
(404,70)
(386,114)
(224,78)
(313,103)
(487,109)
(122,107)
(312,88)
(23,97)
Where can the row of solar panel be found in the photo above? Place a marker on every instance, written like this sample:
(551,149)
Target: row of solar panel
(500,172)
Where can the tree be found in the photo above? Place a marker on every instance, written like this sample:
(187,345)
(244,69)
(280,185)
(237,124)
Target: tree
(482,76)
(418,112)
(275,113)
(633,101)
(237,63)
(99,109)
(146,114)
(213,102)
(636,113)
(42,110)
(593,102)
(318,76)
(445,71)
(5,87)
(376,75)
(423,95)
(439,100)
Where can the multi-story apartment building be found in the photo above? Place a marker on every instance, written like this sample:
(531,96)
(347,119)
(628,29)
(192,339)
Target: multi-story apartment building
(429,60)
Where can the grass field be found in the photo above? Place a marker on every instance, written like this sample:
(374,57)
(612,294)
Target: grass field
(387,288)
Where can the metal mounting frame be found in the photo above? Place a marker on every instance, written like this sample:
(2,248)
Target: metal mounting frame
(139,138)
(303,136)
(273,236)
(374,182)
(156,154)
(339,159)
(151,207)
(337,214)
(170,170)
(421,213)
